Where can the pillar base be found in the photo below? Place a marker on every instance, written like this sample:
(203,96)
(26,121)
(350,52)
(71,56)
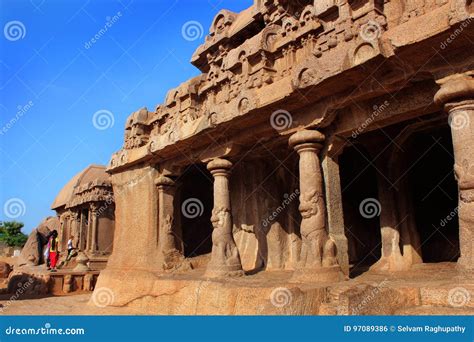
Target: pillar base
(318,275)
(465,268)
(175,261)
(390,264)
(81,260)
(224,271)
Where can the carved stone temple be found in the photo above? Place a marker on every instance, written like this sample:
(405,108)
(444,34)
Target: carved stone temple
(85,210)
(322,143)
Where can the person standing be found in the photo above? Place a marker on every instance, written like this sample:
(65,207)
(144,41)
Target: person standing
(70,248)
(53,250)
(46,255)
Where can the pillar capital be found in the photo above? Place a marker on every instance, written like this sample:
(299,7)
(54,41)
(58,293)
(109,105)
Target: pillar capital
(94,208)
(306,139)
(74,215)
(164,181)
(219,165)
(456,91)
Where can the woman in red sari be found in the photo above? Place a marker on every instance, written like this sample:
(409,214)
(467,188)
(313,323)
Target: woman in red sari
(53,250)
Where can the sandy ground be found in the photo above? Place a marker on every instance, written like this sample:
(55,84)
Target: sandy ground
(60,305)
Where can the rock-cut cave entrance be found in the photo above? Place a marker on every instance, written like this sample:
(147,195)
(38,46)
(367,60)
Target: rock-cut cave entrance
(433,191)
(417,161)
(359,186)
(196,202)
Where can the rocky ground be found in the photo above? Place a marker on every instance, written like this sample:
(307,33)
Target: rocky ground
(424,290)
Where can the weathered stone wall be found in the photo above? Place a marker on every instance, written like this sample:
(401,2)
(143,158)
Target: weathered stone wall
(136,210)
(265,211)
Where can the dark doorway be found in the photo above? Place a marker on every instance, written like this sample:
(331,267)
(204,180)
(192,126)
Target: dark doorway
(435,195)
(196,202)
(359,185)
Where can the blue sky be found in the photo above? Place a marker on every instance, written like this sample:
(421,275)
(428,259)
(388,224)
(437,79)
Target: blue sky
(52,83)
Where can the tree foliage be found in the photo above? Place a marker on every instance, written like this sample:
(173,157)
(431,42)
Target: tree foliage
(11,234)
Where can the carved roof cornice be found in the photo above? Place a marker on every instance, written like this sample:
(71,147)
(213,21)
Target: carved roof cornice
(288,56)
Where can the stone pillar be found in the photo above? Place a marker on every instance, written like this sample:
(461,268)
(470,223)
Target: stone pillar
(225,258)
(166,223)
(332,181)
(318,260)
(391,257)
(457,96)
(79,230)
(62,236)
(75,228)
(89,231)
(94,220)
(82,233)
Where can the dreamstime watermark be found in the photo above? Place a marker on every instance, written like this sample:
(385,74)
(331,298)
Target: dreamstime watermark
(281,119)
(370,31)
(370,208)
(377,110)
(371,295)
(192,208)
(46,330)
(103,119)
(456,33)
(110,21)
(192,30)
(284,204)
(22,287)
(102,297)
(281,297)
(191,300)
(459,297)
(458,120)
(21,110)
(14,30)
(14,208)
(450,216)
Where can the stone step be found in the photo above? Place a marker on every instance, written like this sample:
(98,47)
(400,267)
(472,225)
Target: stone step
(449,296)
(334,293)
(435,310)
(328,309)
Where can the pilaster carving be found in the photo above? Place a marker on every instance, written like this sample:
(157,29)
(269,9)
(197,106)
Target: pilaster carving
(172,257)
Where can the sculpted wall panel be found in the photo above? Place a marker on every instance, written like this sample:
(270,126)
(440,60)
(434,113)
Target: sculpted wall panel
(265,213)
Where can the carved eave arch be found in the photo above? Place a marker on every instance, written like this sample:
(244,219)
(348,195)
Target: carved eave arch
(221,23)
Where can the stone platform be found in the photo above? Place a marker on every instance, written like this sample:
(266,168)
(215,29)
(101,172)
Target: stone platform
(427,288)
(36,280)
